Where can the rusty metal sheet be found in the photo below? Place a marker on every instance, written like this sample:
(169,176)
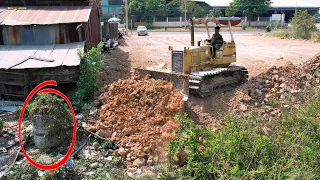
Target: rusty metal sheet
(43,15)
(42,51)
(3,51)
(39,35)
(72,57)
(12,35)
(92,28)
(4,13)
(59,55)
(22,55)
(27,57)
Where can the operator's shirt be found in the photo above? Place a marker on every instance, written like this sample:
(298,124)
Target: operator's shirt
(217,39)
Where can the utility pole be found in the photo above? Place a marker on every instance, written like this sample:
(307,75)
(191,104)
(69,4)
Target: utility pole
(296,7)
(185,14)
(127,19)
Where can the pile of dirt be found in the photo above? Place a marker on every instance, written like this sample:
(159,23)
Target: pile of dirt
(138,113)
(288,85)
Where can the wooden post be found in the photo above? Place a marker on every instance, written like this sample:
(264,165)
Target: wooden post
(131,26)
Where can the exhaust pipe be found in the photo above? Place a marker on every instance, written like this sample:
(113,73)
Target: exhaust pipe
(192,32)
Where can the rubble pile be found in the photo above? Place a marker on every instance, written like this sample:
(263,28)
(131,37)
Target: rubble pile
(283,84)
(138,113)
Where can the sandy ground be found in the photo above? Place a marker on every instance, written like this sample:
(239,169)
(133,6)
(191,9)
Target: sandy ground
(255,52)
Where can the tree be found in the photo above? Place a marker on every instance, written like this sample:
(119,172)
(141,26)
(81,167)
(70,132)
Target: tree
(137,9)
(156,8)
(252,8)
(122,14)
(173,9)
(198,12)
(215,13)
(193,9)
(231,10)
(303,24)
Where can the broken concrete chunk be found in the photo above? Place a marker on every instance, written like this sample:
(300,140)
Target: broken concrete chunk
(139,162)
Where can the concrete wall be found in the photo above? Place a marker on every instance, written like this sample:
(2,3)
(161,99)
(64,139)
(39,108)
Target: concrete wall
(257,23)
(260,22)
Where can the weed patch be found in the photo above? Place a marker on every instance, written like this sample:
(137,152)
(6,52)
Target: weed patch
(303,27)
(51,114)
(90,75)
(248,148)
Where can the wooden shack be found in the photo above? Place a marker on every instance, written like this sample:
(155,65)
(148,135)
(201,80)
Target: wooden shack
(39,40)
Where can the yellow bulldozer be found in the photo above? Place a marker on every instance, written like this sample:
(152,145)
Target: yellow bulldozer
(202,70)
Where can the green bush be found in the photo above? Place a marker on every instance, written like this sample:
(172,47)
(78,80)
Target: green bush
(282,33)
(165,28)
(244,27)
(246,148)
(90,69)
(1,123)
(303,24)
(268,28)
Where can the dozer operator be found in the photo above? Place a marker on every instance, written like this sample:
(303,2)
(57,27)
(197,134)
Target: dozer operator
(216,40)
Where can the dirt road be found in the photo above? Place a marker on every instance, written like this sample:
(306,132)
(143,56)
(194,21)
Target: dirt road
(257,53)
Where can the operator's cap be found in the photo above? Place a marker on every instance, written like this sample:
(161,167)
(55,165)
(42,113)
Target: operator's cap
(217,27)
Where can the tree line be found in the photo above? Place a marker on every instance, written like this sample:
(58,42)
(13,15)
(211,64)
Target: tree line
(249,8)
(146,10)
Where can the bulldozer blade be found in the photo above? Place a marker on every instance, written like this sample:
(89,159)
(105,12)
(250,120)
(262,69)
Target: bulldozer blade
(179,81)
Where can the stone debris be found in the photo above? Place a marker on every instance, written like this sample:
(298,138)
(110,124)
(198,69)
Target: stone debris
(279,85)
(96,145)
(94,165)
(139,162)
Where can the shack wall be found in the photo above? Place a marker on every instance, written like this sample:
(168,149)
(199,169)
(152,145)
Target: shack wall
(40,35)
(1,37)
(92,29)
(17,84)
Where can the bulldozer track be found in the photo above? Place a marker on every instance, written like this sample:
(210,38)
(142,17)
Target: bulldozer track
(217,80)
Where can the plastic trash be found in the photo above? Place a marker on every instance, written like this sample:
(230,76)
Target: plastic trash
(41,173)
(111,145)
(69,163)
(4,158)
(107,175)
(79,116)
(3,150)
(4,167)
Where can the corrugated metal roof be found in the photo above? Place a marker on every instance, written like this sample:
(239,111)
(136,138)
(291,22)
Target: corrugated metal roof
(42,15)
(42,56)
(294,3)
(275,3)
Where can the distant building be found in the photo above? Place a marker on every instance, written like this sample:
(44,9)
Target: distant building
(110,8)
(206,7)
(277,7)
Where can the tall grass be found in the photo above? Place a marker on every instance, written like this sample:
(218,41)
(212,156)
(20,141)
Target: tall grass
(247,148)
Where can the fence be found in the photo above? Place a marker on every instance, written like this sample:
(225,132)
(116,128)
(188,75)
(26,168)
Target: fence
(180,22)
